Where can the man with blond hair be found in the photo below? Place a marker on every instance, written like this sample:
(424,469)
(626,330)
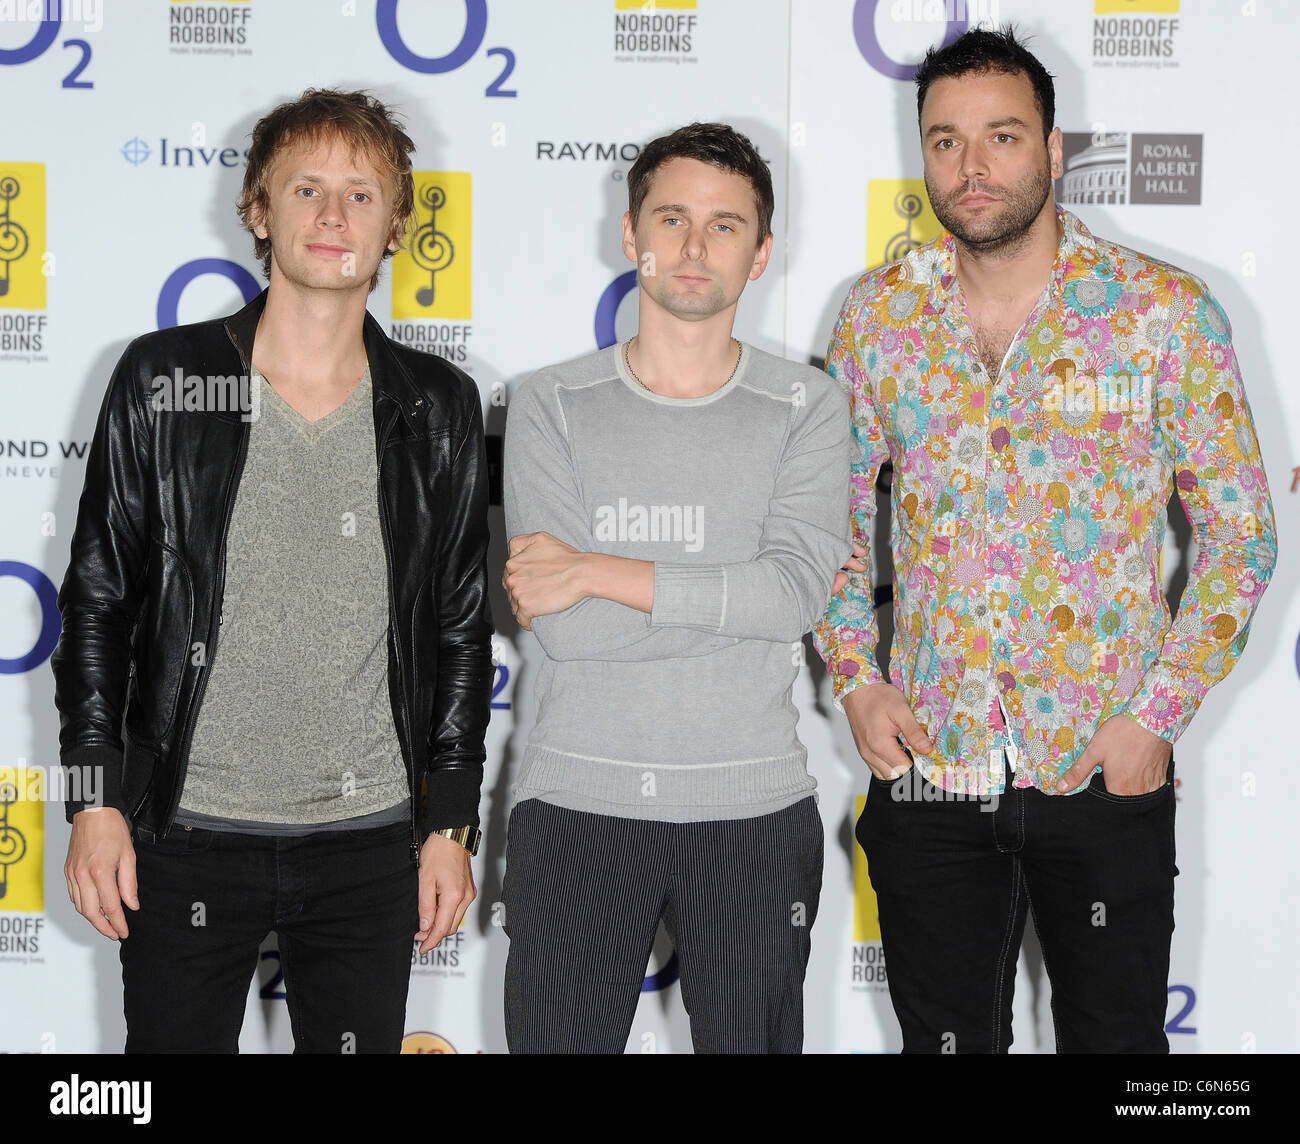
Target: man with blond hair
(275,628)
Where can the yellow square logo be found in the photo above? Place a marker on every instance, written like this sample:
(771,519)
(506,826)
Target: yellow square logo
(22,236)
(866,914)
(1119,7)
(899,219)
(431,273)
(22,841)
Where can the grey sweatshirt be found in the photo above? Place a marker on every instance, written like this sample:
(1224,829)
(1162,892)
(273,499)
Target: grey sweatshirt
(741,499)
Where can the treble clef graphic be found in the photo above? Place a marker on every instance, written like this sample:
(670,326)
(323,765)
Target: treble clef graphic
(13,239)
(12,843)
(908,206)
(432,249)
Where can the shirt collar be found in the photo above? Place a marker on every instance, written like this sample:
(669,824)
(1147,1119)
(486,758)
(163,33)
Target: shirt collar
(1075,238)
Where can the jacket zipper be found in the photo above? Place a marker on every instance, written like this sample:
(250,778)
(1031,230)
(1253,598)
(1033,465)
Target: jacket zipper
(214,622)
(403,733)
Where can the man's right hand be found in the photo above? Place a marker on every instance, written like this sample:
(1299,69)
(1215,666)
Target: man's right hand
(100,869)
(878,714)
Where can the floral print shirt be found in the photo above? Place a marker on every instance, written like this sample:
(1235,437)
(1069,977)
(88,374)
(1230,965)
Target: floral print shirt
(1029,508)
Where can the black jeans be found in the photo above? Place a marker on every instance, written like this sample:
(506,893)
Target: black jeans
(955,877)
(343,904)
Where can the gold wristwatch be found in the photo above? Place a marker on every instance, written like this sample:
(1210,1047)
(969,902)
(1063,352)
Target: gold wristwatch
(468,836)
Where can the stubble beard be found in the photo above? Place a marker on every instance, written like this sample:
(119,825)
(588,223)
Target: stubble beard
(1004,233)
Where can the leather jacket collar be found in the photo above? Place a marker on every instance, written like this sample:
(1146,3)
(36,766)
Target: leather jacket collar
(389,377)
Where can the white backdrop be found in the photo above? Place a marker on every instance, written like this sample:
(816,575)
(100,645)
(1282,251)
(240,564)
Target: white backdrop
(120,161)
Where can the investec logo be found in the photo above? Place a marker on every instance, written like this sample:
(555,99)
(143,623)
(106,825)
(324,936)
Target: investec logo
(899,219)
(209,27)
(168,153)
(660,31)
(432,272)
(1134,33)
(1115,167)
(24,263)
(22,864)
(867,968)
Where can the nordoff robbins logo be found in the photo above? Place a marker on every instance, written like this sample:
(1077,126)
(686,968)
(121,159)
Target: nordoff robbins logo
(676,523)
(214,393)
(77,1097)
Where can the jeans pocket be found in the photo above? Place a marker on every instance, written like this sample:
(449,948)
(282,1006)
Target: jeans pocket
(1097,787)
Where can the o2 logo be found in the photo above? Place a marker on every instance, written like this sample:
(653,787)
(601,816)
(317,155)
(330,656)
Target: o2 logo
(45,35)
(667,972)
(1175,1023)
(169,297)
(51,622)
(499,682)
(864,32)
(607,308)
(476,16)
(273,990)
(664,978)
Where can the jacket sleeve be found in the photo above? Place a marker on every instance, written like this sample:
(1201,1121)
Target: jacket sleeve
(847,634)
(781,592)
(1219,478)
(463,692)
(102,595)
(541,495)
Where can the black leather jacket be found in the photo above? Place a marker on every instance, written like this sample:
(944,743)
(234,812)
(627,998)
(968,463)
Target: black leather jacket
(144,583)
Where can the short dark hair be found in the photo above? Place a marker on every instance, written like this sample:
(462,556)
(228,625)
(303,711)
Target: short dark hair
(719,145)
(988,50)
(320,115)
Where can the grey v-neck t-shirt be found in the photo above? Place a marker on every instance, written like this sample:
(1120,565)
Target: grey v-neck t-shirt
(296,728)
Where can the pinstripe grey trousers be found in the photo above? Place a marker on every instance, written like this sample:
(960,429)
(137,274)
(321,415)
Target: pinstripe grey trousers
(584,895)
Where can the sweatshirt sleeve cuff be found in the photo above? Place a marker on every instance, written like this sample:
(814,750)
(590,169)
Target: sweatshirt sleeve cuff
(689,596)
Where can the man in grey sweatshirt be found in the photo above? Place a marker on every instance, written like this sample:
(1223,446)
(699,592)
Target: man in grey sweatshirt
(677,508)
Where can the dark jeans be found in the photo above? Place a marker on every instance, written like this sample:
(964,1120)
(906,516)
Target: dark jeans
(584,894)
(955,878)
(343,905)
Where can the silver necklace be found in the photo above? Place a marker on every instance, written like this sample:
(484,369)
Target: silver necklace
(627,361)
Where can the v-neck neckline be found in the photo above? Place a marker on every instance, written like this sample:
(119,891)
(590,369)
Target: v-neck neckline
(314,430)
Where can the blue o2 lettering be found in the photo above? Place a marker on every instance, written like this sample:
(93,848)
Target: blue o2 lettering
(476,16)
(1175,1024)
(498,685)
(51,622)
(169,297)
(45,35)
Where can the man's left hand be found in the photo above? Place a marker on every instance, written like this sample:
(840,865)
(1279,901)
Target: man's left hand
(1133,760)
(446,889)
(540,576)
